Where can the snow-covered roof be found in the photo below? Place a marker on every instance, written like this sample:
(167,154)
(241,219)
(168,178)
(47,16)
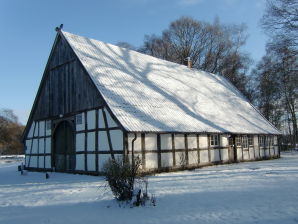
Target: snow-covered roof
(153,95)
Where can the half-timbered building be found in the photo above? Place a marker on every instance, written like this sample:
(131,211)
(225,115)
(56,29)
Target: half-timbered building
(98,101)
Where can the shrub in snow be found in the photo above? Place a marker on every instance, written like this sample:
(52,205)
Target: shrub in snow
(126,183)
(121,176)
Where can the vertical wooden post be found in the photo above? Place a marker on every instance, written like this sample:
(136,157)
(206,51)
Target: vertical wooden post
(32,140)
(219,150)
(198,148)
(158,151)
(186,150)
(37,145)
(125,145)
(208,141)
(241,139)
(96,141)
(253,144)
(44,144)
(143,151)
(108,133)
(173,149)
(269,143)
(279,145)
(85,142)
(259,146)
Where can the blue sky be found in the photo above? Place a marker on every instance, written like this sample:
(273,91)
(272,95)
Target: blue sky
(27,32)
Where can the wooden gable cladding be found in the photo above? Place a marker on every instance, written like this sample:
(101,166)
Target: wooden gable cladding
(66,87)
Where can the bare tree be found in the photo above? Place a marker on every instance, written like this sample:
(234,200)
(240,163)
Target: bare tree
(211,47)
(10,133)
(280,21)
(281,16)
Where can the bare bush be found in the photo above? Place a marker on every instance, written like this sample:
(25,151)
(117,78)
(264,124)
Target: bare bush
(121,177)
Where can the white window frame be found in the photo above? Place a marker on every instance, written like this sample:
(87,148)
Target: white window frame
(262,141)
(244,141)
(214,140)
(250,140)
(238,141)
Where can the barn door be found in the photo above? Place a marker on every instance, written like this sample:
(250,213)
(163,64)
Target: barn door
(64,154)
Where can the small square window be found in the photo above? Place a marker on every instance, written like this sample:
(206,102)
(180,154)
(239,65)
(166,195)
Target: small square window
(262,140)
(79,119)
(238,141)
(250,140)
(244,142)
(214,140)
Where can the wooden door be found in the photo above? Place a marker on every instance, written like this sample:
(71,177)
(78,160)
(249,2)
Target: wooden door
(64,153)
(232,148)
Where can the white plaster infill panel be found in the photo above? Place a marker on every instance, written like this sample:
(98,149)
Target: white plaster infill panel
(192,141)
(91,141)
(150,141)
(48,162)
(41,128)
(224,140)
(91,162)
(204,156)
(179,141)
(117,139)
(102,159)
(91,122)
(103,143)
(80,142)
(151,161)
(41,145)
(137,142)
(101,122)
(28,146)
(34,146)
(192,157)
(41,161)
(80,162)
(224,154)
(180,159)
(167,159)
(166,141)
(110,120)
(48,145)
(203,141)
(30,133)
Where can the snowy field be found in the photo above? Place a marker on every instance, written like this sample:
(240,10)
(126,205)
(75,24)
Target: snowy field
(253,192)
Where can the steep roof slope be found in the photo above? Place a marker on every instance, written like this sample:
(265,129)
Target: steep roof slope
(154,95)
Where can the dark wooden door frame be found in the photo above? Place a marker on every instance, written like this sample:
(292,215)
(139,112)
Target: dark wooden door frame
(55,124)
(233,147)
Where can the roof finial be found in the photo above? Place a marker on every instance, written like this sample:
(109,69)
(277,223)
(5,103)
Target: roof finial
(59,28)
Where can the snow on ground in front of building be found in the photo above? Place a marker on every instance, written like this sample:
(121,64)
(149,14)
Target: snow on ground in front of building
(252,192)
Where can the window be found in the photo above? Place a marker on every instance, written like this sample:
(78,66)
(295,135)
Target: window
(79,119)
(244,141)
(48,125)
(214,140)
(269,141)
(238,141)
(250,140)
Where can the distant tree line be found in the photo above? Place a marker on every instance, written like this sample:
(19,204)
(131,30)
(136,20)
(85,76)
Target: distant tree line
(276,75)
(271,85)
(10,133)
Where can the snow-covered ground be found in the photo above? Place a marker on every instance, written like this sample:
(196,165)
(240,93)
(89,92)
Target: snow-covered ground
(253,192)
